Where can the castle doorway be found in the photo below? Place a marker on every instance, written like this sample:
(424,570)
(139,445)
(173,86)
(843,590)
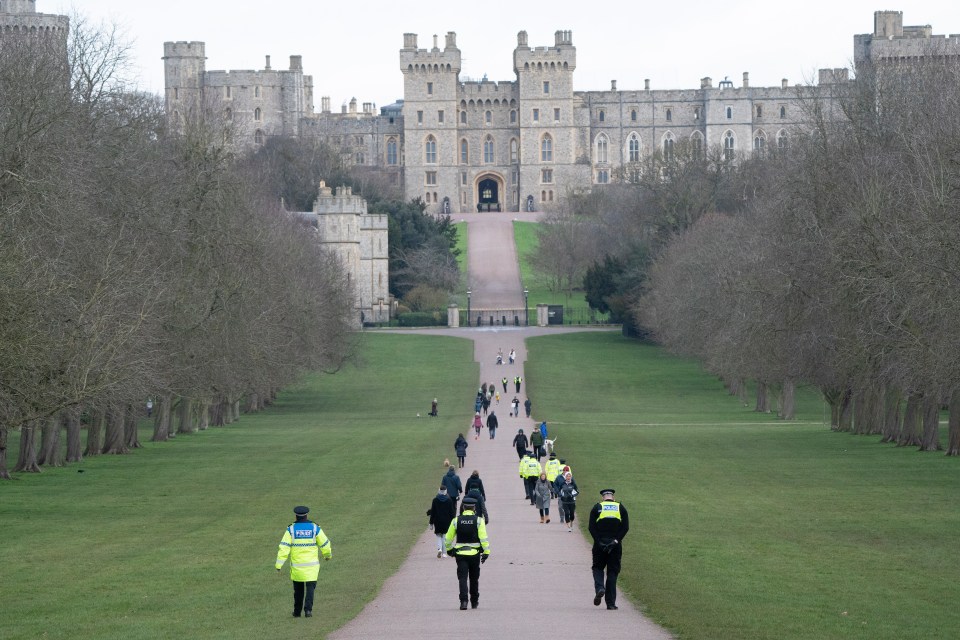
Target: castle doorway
(489,189)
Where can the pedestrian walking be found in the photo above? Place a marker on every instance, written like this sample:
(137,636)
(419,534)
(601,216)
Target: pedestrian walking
(486,404)
(149,408)
(433,409)
(520,442)
(541,495)
(516,382)
(530,470)
(474,482)
(567,500)
(477,425)
(527,405)
(478,403)
(498,397)
(504,381)
(481,503)
(515,407)
(467,541)
(452,482)
(492,424)
(536,442)
(513,355)
(442,512)
(303,542)
(460,446)
(608,524)
(553,469)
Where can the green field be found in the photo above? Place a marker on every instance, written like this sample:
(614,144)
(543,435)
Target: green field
(742,530)
(178,540)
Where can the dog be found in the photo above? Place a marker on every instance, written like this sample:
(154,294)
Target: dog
(446,462)
(548,445)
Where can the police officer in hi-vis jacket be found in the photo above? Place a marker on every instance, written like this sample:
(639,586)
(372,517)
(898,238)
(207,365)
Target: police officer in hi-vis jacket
(466,540)
(303,542)
(608,523)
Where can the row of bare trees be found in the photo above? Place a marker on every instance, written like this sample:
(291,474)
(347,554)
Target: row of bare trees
(844,271)
(137,263)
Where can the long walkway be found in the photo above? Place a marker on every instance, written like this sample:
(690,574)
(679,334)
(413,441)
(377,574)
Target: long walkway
(538,577)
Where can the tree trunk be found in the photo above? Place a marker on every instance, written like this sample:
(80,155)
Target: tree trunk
(113,440)
(50,455)
(891,420)
(763,398)
(845,422)
(953,442)
(161,426)
(862,412)
(204,418)
(4,473)
(95,433)
(27,459)
(131,434)
(184,416)
(931,424)
(216,412)
(74,439)
(742,391)
(253,402)
(788,403)
(236,411)
(908,436)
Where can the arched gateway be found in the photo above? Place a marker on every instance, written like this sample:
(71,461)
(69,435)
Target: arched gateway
(490,191)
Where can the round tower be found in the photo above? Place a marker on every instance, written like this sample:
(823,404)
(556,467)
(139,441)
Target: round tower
(18,6)
(184,68)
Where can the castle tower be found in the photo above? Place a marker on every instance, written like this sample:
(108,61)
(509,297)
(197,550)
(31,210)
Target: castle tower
(548,132)
(430,83)
(184,66)
(21,17)
(338,225)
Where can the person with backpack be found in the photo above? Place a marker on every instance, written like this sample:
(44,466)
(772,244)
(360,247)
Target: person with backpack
(520,442)
(460,446)
(568,500)
(452,482)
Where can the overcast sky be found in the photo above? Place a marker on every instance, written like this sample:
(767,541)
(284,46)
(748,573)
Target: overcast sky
(352,48)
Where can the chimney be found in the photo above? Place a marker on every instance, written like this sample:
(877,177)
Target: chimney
(613,85)
(522,39)
(451,40)
(746,79)
(435,47)
(646,84)
(296,63)
(409,41)
(353,105)
(325,104)
(706,82)
(267,68)
(783,83)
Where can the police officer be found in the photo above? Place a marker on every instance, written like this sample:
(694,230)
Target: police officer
(303,542)
(466,540)
(608,523)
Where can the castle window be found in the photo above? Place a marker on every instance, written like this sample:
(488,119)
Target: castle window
(546,86)
(783,142)
(258,137)
(463,178)
(633,148)
(601,149)
(783,112)
(633,115)
(429,88)
(513,116)
(669,115)
(601,116)
(228,114)
(257,114)
(696,144)
(556,115)
(430,150)
(729,145)
(729,113)
(513,150)
(543,196)
(464,152)
(696,113)
(176,93)
(392,151)
(256,92)
(759,144)
(419,117)
(488,150)
(546,176)
(668,146)
(488,117)
(536,115)
(358,159)
(440,116)
(546,148)
(603,176)
(431,178)
(229,92)
(759,110)
(463,117)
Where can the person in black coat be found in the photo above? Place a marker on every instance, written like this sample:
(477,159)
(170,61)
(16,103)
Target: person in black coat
(520,442)
(460,446)
(492,424)
(452,482)
(474,482)
(608,523)
(481,503)
(442,511)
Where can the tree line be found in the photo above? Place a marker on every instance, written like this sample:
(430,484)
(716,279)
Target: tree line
(140,261)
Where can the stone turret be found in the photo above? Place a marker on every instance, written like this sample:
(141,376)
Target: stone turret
(185,65)
(20,16)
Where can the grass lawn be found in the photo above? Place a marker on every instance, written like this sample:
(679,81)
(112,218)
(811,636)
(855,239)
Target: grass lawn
(178,540)
(742,530)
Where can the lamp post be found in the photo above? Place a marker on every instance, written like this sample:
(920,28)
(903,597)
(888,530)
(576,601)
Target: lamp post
(526,308)
(468,307)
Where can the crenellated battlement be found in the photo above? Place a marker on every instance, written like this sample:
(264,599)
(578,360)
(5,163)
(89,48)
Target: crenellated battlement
(435,60)
(184,49)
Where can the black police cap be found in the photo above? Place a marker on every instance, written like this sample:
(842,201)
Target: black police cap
(301,511)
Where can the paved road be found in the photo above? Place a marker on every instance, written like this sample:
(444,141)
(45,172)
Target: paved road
(538,577)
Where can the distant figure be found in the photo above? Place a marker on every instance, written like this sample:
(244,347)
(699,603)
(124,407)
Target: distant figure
(527,405)
(433,408)
(517,381)
(492,424)
(460,445)
(520,442)
(466,540)
(452,482)
(608,524)
(504,381)
(513,356)
(149,408)
(477,425)
(442,512)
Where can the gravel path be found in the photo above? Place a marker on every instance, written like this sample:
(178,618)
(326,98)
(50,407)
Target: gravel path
(538,577)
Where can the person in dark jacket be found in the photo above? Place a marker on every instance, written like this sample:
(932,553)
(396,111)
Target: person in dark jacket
(527,405)
(461,447)
(452,482)
(608,524)
(474,482)
(492,424)
(481,503)
(442,511)
(520,442)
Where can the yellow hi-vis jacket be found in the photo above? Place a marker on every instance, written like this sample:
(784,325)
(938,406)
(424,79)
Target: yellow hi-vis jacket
(553,469)
(467,535)
(303,542)
(533,468)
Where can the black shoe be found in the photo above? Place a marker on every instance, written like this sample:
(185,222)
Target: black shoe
(296,615)
(463,606)
(309,614)
(597,599)
(612,607)
(474,605)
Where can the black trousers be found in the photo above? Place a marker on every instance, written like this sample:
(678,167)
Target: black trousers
(611,562)
(301,601)
(468,567)
(529,484)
